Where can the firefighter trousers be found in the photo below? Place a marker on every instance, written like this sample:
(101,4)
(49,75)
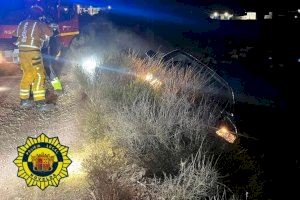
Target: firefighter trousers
(33,80)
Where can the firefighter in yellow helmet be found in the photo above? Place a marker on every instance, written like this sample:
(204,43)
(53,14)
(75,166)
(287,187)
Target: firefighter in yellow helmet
(31,35)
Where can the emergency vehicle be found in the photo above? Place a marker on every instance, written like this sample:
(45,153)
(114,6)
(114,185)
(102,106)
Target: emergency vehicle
(65,15)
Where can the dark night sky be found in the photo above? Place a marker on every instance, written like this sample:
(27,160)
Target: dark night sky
(234,5)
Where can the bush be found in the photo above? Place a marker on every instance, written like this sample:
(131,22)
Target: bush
(158,127)
(102,167)
(197,179)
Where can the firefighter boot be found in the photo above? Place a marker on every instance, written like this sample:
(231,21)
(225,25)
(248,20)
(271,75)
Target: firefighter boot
(43,106)
(26,103)
(56,84)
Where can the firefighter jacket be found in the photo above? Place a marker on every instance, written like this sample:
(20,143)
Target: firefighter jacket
(32,34)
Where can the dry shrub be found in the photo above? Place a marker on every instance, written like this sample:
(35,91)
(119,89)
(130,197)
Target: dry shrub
(198,179)
(102,167)
(158,128)
(161,128)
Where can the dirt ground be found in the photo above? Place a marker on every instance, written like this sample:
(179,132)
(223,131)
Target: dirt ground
(17,124)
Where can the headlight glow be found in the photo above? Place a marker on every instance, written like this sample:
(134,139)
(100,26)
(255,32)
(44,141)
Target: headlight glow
(156,83)
(89,65)
(226,134)
(149,77)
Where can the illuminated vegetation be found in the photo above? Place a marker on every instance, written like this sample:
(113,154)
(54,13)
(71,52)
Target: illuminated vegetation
(154,141)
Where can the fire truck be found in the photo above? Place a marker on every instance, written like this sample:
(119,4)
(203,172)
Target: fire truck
(65,15)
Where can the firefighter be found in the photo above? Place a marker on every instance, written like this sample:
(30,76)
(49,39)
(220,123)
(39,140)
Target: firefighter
(31,35)
(51,53)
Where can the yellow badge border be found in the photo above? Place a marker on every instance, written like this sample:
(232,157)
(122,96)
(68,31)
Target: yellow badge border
(42,182)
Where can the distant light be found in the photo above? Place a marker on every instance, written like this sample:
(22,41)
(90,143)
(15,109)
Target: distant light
(296,17)
(109,7)
(298,10)
(250,16)
(216,14)
(298,60)
(226,14)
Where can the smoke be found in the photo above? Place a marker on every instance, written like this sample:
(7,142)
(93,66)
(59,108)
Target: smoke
(102,37)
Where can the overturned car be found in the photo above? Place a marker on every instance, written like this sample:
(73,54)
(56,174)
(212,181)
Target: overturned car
(214,86)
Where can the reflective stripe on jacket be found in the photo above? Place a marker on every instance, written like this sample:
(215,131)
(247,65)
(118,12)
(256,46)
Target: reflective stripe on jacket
(32,34)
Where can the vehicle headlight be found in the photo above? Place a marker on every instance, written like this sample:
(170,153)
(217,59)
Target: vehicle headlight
(149,77)
(155,82)
(226,134)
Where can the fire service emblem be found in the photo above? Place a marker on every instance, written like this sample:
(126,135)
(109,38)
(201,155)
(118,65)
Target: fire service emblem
(42,161)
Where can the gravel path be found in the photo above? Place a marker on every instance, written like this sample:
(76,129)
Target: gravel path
(17,124)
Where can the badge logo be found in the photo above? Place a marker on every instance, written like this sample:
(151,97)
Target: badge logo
(42,161)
